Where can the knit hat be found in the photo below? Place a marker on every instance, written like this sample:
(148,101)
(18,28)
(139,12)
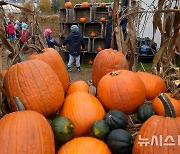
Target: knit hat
(24,26)
(74,28)
(47,32)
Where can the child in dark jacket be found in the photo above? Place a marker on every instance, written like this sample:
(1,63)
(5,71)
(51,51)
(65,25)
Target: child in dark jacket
(75,42)
(51,42)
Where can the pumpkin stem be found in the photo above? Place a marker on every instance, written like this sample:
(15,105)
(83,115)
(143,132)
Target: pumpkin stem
(168,107)
(114,73)
(19,104)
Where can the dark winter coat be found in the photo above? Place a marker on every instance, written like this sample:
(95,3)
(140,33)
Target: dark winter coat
(75,41)
(109,32)
(52,42)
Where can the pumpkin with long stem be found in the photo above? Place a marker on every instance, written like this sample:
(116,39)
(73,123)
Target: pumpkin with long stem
(159,134)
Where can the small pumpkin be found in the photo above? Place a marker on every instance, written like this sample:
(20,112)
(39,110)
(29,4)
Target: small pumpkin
(84,145)
(119,141)
(93,34)
(116,119)
(100,129)
(83,109)
(77,86)
(102,19)
(99,48)
(103,5)
(154,84)
(63,129)
(82,19)
(85,4)
(144,112)
(164,130)
(158,106)
(68,5)
(90,62)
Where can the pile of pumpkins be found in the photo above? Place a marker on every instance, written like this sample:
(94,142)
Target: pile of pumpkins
(86,123)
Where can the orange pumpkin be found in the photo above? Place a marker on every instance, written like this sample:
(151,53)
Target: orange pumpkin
(37,86)
(161,133)
(102,4)
(99,48)
(85,4)
(102,19)
(26,132)
(106,61)
(68,5)
(93,34)
(90,62)
(84,145)
(158,106)
(153,83)
(78,86)
(122,90)
(83,109)
(52,57)
(82,20)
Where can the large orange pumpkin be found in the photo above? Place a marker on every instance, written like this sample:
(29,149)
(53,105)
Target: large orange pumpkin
(122,90)
(85,4)
(154,84)
(53,59)
(159,133)
(26,132)
(68,5)
(37,86)
(83,109)
(158,106)
(84,145)
(106,61)
(78,86)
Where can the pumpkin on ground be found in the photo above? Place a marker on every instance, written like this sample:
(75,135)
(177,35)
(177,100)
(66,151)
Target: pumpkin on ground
(144,112)
(116,119)
(158,106)
(26,132)
(53,59)
(122,90)
(63,129)
(106,61)
(78,86)
(100,129)
(84,145)
(83,109)
(161,133)
(120,141)
(154,84)
(37,86)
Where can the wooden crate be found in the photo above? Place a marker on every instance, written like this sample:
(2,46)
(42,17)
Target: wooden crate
(80,12)
(62,13)
(96,43)
(96,27)
(100,12)
(88,43)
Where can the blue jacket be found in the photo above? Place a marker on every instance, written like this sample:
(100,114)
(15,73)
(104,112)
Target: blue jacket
(109,32)
(52,42)
(75,41)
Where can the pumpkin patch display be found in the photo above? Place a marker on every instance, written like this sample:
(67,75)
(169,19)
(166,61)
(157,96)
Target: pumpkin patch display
(100,129)
(154,84)
(53,59)
(161,133)
(37,86)
(83,109)
(63,129)
(144,112)
(84,145)
(78,86)
(116,119)
(158,106)
(26,132)
(106,61)
(122,90)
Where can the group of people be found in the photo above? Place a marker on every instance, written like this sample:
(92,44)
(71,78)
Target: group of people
(17,30)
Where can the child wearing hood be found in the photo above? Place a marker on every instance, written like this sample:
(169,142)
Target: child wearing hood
(75,41)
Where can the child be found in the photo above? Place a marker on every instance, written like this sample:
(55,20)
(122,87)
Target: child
(11,32)
(75,41)
(51,42)
(24,34)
